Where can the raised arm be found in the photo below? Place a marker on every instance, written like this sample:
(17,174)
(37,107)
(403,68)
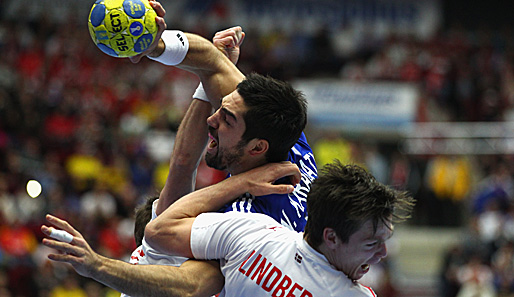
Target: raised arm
(192,133)
(189,144)
(170,232)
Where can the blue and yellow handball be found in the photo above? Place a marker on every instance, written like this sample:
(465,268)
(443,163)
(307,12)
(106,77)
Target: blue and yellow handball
(122,28)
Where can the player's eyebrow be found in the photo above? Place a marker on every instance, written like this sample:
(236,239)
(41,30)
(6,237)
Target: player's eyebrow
(228,113)
(375,237)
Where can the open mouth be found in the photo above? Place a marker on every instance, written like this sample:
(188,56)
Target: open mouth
(365,267)
(213,143)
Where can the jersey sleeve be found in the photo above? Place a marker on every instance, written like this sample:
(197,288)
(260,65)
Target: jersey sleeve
(290,210)
(154,210)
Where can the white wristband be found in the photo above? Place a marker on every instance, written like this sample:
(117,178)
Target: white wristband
(176,47)
(200,93)
(61,235)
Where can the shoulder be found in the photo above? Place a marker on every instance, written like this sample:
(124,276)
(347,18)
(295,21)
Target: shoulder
(358,290)
(301,147)
(235,219)
(301,154)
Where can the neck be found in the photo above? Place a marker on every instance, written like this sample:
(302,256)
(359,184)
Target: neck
(246,165)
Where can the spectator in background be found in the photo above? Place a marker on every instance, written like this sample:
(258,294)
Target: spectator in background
(332,146)
(503,268)
(69,287)
(449,179)
(476,279)
(98,202)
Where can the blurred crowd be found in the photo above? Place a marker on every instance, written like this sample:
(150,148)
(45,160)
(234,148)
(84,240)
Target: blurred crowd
(96,132)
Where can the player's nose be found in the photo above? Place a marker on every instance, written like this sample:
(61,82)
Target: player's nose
(382,251)
(213,120)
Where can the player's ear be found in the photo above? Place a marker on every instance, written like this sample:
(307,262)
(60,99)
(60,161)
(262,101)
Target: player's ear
(258,146)
(330,238)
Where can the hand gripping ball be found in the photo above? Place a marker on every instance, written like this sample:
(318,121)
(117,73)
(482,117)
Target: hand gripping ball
(122,28)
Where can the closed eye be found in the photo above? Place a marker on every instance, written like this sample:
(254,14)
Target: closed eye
(371,244)
(228,116)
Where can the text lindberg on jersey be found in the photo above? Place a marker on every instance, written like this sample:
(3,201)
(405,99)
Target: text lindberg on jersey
(285,286)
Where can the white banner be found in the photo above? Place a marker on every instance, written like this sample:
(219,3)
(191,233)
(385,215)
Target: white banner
(375,107)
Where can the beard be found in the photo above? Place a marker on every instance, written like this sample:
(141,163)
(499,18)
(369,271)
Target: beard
(225,158)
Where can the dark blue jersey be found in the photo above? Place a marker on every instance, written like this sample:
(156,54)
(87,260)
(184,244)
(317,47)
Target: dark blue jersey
(289,210)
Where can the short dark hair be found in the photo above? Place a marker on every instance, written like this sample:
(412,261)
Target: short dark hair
(143,216)
(344,197)
(276,112)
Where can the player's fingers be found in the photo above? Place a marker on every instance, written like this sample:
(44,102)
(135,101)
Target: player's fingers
(64,247)
(228,31)
(63,258)
(159,9)
(240,39)
(268,188)
(236,37)
(287,168)
(295,178)
(77,248)
(135,59)
(225,42)
(236,33)
(294,173)
(60,235)
(62,224)
(161,24)
(282,189)
(46,230)
(225,33)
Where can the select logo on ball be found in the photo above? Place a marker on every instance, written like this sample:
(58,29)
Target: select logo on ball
(121,43)
(116,21)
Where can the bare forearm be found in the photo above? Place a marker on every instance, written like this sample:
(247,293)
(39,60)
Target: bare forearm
(136,280)
(187,152)
(209,199)
(258,181)
(204,279)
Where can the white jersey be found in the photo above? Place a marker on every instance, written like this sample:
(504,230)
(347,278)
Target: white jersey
(145,254)
(259,257)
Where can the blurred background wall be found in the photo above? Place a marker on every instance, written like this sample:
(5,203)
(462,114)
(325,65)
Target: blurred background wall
(419,92)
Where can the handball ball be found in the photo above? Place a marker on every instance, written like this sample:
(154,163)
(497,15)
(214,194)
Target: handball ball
(122,28)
